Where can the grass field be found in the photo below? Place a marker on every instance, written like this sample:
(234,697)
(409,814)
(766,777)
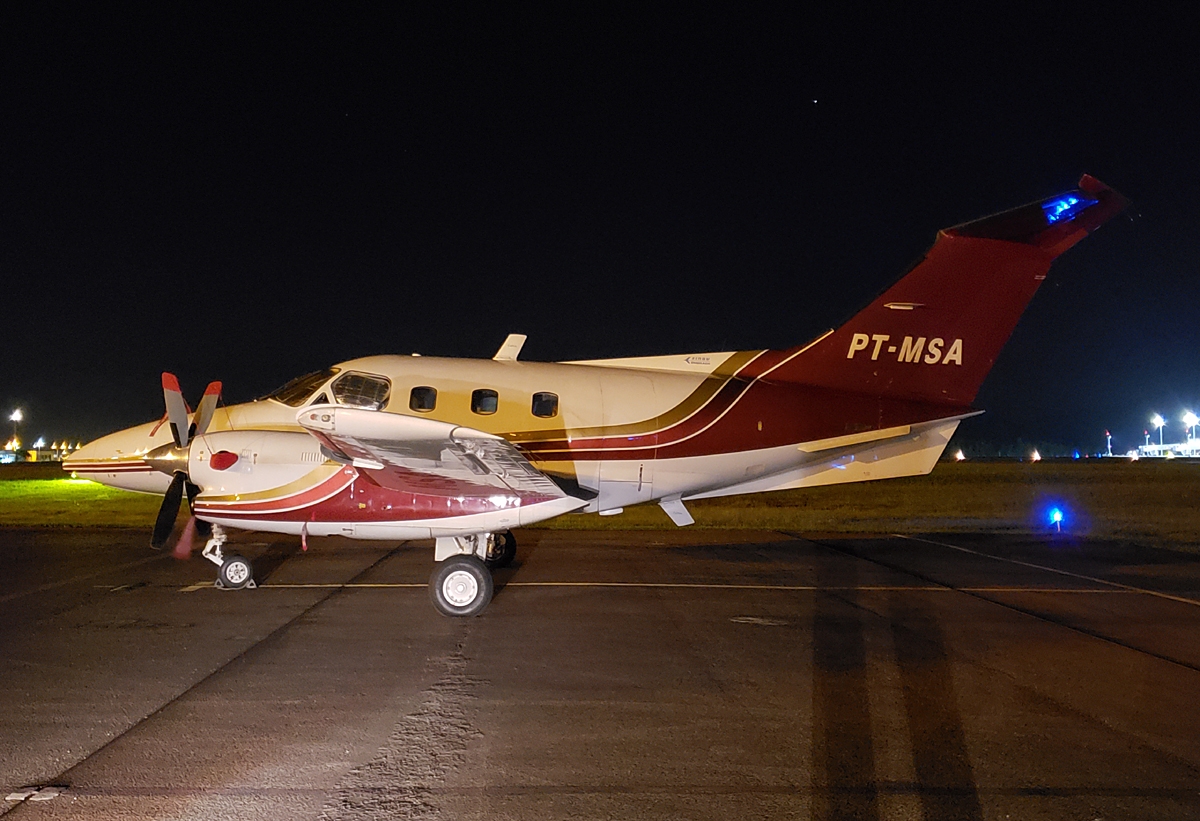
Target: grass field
(1148,501)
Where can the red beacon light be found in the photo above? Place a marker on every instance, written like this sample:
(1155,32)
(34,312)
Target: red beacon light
(223,460)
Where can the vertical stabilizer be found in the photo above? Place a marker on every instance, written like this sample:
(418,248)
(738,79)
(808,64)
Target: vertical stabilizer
(935,334)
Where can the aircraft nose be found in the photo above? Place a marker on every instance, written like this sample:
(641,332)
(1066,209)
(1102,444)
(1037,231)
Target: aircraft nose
(118,459)
(107,448)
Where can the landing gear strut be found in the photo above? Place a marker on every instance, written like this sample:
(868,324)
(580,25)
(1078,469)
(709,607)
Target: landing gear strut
(461,584)
(502,549)
(235,572)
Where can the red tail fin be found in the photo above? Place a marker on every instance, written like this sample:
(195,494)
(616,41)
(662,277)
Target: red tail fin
(934,335)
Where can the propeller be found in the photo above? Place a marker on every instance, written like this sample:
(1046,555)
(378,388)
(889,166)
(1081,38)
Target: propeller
(172,459)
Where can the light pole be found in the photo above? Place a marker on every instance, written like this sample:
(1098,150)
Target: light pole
(1191,420)
(15,417)
(1158,422)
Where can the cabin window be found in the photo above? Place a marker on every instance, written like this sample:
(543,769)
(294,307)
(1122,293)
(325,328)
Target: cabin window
(423,398)
(360,390)
(484,401)
(545,405)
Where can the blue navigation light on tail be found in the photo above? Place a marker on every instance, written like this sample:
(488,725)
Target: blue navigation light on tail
(1065,207)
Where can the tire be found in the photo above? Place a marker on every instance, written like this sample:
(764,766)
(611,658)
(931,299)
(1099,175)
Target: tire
(461,586)
(503,552)
(236,572)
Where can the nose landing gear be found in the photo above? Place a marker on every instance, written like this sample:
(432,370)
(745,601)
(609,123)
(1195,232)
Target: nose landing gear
(235,572)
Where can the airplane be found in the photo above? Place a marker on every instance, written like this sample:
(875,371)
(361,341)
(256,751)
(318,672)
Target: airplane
(462,451)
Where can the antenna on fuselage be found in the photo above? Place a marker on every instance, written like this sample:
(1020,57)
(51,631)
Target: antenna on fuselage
(510,349)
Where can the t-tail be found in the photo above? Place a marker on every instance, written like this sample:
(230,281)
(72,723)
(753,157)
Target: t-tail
(935,334)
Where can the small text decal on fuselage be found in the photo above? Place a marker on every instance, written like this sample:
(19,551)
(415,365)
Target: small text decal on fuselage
(934,351)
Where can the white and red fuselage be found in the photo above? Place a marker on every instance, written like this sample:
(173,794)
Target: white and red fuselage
(384,447)
(627,432)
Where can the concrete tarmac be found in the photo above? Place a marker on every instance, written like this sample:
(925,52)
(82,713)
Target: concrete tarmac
(682,674)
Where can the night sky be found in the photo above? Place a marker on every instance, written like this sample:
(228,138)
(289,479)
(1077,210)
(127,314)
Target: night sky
(251,197)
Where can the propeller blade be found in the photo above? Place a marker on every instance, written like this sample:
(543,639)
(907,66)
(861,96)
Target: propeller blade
(177,414)
(183,547)
(206,408)
(168,513)
(203,528)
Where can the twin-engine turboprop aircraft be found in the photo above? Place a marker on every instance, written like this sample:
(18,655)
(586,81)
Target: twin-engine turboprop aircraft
(462,451)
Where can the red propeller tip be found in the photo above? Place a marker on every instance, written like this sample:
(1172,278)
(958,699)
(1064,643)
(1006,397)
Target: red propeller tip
(170,383)
(183,548)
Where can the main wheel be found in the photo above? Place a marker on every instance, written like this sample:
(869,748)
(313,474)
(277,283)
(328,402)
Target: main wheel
(235,573)
(461,586)
(503,551)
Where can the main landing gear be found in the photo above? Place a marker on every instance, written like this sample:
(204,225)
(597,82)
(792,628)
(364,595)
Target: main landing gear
(461,585)
(235,572)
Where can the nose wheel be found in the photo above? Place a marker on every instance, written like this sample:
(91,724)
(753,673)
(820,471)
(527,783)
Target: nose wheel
(235,573)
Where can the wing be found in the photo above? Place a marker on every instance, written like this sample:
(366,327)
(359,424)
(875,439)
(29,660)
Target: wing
(411,453)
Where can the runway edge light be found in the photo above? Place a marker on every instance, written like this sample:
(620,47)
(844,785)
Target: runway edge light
(1056,517)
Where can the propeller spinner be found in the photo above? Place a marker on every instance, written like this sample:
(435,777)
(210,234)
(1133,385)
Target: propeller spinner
(172,459)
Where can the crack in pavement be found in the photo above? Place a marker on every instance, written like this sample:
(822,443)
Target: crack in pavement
(411,768)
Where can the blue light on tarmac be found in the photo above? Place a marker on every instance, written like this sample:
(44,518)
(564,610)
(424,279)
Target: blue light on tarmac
(1056,518)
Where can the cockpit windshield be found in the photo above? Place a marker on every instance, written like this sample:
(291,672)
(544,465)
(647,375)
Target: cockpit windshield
(295,392)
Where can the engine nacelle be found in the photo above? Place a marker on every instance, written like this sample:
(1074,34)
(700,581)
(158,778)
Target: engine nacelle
(239,462)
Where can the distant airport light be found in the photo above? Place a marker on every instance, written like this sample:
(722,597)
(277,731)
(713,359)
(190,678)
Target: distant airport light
(1036,457)
(39,444)
(960,456)
(16,416)
(1158,422)
(1191,420)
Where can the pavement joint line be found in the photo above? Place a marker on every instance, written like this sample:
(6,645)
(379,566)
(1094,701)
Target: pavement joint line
(697,586)
(64,582)
(1119,585)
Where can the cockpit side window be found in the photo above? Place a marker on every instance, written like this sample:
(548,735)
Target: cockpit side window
(295,392)
(360,390)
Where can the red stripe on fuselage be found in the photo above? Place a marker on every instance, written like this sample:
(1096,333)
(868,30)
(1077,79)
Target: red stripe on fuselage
(300,499)
(108,467)
(750,412)
(756,416)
